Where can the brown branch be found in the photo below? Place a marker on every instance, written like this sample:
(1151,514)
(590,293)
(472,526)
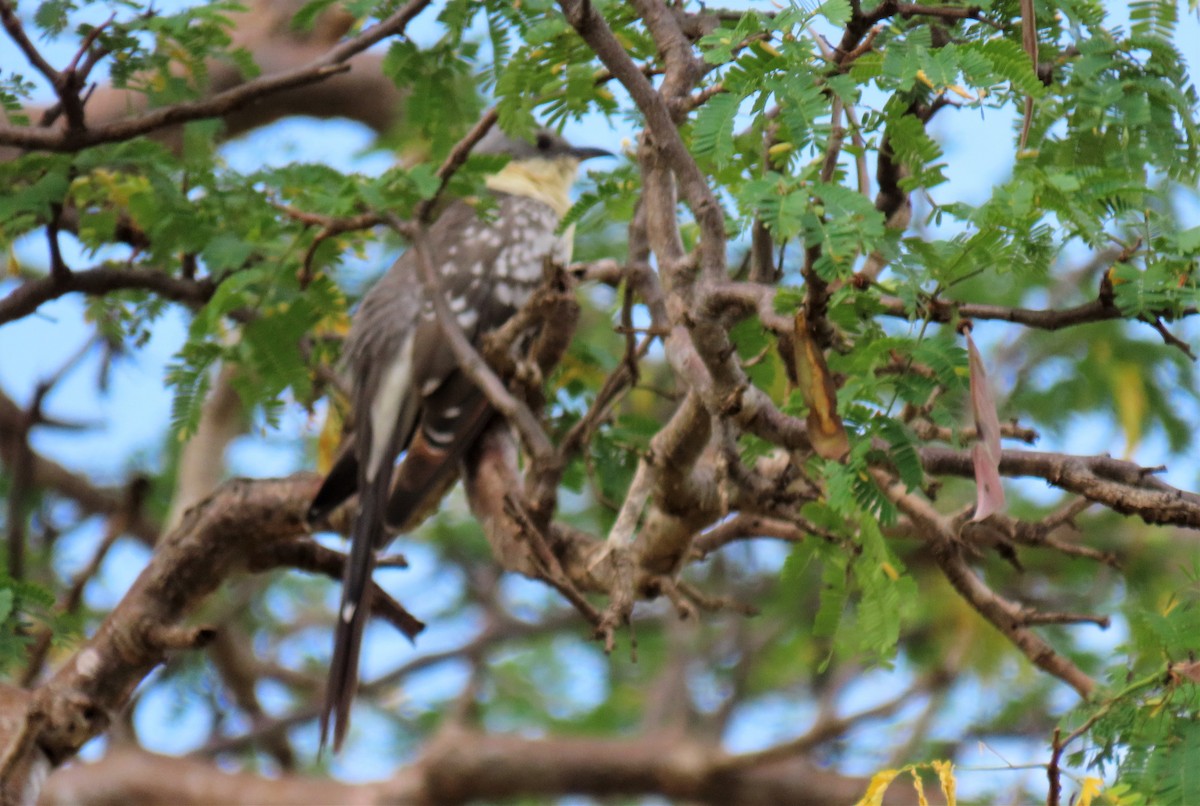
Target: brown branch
(222,103)
(1007,617)
(748,527)
(30,295)
(455,160)
(928,431)
(1040,533)
(238,526)
(16,32)
(861,23)
(552,571)
(699,349)
(1169,338)
(1122,486)
(682,68)
(944,311)
(467,766)
(639,276)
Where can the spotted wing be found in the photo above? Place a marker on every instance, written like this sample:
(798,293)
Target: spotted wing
(488,269)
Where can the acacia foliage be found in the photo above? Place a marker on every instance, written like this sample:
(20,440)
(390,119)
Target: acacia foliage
(826,135)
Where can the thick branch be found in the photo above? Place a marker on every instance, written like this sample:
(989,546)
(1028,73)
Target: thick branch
(238,526)
(468,766)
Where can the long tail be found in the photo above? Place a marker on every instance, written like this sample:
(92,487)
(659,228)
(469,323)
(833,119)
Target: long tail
(354,610)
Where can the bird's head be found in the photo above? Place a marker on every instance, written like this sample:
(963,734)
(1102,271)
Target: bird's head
(542,168)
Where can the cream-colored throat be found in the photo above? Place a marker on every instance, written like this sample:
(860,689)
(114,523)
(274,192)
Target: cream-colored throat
(548,181)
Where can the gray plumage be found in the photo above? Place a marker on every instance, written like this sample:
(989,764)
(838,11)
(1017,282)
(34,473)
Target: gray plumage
(408,394)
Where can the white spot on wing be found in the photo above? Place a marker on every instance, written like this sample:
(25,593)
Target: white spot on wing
(439,437)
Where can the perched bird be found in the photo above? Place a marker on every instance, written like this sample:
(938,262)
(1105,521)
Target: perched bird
(408,395)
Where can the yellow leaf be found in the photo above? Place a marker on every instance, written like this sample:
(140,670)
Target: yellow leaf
(891,572)
(1090,789)
(921,800)
(945,774)
(335,324)
(329,439)
(960,92)
(825,429)
(780,148)
(880,781)
(1129,398)
(769,48)
(924,79)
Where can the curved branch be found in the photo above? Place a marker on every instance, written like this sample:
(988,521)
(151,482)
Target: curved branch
(29,296)
(222,103)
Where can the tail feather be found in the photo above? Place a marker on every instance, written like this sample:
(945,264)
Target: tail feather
(430,467)
(354,610)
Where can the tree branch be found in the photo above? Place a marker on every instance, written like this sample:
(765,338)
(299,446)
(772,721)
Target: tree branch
(1009,618)
(30,295)
(1122,486)
(222,103)
(240,525)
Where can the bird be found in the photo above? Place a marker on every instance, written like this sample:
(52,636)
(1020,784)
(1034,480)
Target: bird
(408,398)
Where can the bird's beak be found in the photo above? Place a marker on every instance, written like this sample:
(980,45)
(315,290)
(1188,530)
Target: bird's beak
(582,153)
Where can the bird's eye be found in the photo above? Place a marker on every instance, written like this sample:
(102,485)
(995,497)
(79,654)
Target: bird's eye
(544,142)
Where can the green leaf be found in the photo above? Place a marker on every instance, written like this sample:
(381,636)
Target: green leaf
(712,135)
(838,12)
